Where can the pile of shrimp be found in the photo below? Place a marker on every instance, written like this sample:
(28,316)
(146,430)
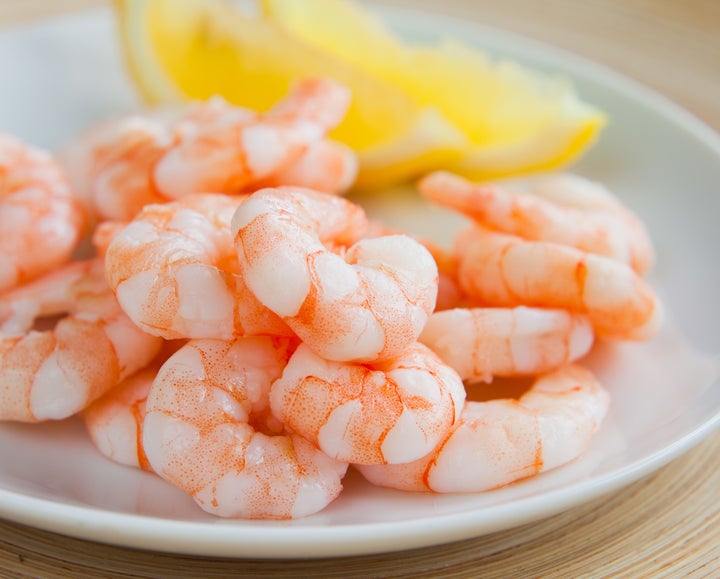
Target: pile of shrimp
(248,334)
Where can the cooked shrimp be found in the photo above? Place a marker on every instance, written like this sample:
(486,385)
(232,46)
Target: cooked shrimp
(202,434)
(41,222)
(368,303)
(223,152)
(606,228)
(56,373)
(213,147)
(481,343)
(115,420)
(505,270)
(501,441)
(387,412)
(175,272)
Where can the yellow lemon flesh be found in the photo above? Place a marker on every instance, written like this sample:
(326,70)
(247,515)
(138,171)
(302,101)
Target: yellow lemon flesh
(193,49)
(515,120)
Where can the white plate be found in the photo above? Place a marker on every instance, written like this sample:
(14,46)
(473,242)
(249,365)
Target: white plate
(62,74)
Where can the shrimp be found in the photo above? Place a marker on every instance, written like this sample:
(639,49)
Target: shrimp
(175,272)
(481,343)
(128,163)
(114,421)
(205,432)
(501,441)
(605,228)
(505,270)
(386,412)
(41,222)
(367,302)
(217,151)
(55,373)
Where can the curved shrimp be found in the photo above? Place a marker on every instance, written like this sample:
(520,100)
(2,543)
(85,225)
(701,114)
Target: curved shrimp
(41,222)
(481,343)
(606,228)
(501,441)
(125,164)
(367,302)
(175,272)
(386,412)
(55,373)
(505,270)
(202,434)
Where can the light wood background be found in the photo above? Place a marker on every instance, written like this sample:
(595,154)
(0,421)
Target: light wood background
(666,525)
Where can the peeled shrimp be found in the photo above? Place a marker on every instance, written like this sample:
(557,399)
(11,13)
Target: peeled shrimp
(226,156)
(367,302)
(481,343)
(206,432)
(505,270)
(605,228)
(175,272)
(55,373)
(125,164)
(41,222)
(501,441)
(386,412)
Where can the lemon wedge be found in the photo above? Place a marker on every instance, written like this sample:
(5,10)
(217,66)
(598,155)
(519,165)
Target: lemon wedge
(192,49)
(515,120)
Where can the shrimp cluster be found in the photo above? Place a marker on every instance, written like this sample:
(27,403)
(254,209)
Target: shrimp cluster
(247,334)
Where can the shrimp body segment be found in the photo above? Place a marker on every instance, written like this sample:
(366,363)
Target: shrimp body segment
(175,272)
(505,270)
(501,441)
(206,432)
(41,222)
(388,412)
(55,373)
(112,165)
(606,228)
(114,421)
(481,343)
(362,303)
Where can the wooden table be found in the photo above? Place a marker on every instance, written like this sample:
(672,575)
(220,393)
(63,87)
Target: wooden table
(667,524)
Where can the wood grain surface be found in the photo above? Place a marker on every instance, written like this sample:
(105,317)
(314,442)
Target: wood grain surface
(665,525)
